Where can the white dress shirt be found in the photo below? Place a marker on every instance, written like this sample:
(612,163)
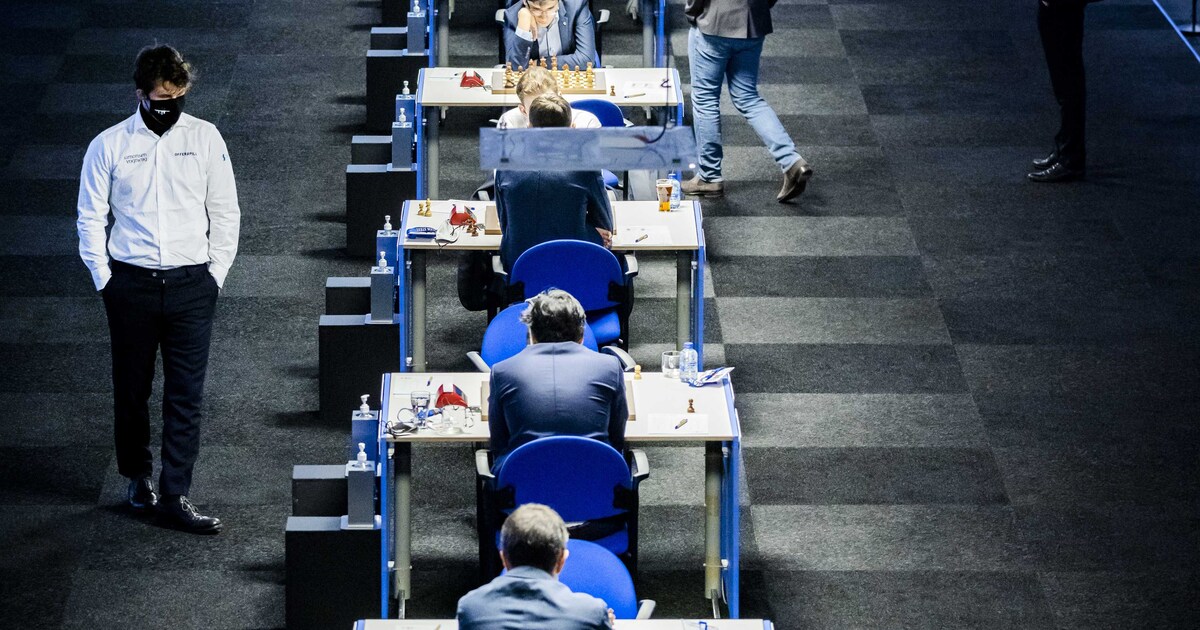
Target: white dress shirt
(173,199)
(548,39)
(515,119)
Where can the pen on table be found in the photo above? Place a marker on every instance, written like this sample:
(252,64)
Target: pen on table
(681,423)
(635,95)
(641,238)
(429,382)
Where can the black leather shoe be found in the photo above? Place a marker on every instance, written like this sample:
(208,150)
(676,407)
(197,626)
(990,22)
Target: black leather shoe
(1058,172)
(141,494)
(795,180)
(179,513)
(1046,162)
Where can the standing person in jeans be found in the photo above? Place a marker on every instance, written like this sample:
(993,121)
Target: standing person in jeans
(725,44)
(166,179)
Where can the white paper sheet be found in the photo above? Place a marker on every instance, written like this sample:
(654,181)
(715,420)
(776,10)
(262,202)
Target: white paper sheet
(678,424)
(655,236)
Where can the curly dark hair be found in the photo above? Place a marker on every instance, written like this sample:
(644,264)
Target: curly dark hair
(161,64)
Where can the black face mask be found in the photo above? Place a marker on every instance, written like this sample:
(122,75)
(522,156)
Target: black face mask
(161,115)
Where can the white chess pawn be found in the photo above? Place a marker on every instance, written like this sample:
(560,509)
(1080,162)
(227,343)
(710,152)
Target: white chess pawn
(364,407)
(403,117)
(387,222)
(361,458)
(383,259)
(405,90)
(416,6)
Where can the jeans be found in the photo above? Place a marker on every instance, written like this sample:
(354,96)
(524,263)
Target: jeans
(715,60)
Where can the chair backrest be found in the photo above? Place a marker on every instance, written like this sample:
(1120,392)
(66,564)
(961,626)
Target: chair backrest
(594,570)
(576,476)
(607,112)
(506,335)
(585,270)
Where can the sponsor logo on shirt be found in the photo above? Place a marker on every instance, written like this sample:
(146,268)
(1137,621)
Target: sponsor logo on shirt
(135,158)
(185,153)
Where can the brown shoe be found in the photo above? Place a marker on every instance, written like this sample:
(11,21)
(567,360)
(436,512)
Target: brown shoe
(795,180)
(696,187)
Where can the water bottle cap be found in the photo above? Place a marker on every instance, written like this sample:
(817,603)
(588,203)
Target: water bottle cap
(688,346)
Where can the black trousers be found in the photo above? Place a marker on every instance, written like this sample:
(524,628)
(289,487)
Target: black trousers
(148,311)
(1061,28)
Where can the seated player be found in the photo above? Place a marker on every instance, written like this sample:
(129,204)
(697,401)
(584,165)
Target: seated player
(534,82)
(536,29)
(539,206)
(533,548)
(555,386)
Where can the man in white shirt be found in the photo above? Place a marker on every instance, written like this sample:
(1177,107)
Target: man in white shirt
(166,178)
(534,82)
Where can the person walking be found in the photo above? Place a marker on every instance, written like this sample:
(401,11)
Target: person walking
(166,178)
(725,44)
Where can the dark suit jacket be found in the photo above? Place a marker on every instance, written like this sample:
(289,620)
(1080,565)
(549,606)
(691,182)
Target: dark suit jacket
(539,206)
(556,389)
(576,31)
(529,598)
(738,19)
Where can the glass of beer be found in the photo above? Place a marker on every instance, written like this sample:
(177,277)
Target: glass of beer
(664,189)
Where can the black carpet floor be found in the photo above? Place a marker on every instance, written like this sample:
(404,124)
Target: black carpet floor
(968,401)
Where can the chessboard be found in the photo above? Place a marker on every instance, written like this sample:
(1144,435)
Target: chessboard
(570,80)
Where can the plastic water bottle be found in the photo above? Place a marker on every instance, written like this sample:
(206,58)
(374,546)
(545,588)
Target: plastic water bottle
(676,193)
(689,364)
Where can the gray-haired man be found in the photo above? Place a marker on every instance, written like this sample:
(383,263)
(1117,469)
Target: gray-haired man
(533,547)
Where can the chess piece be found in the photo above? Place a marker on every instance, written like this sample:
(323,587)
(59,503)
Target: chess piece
(387,223)
(612,90)
(383,259)
(691,407)
(416,6)
(637,372)
(405,89)
(364,408)
(591,75)
(542,62)
(554,61)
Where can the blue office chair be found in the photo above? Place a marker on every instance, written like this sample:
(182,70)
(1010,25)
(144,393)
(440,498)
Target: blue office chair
(600,18)
(506,335)
(594,570)
(587,271)
(609,115)
(586,481)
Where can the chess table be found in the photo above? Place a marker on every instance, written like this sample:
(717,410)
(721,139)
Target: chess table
(439,88)
(654,398)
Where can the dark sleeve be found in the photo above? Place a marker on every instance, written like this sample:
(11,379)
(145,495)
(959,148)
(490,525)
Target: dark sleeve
(584,44)
(497,426)
(599,211)
(695,8)
(618,414)
(516,50)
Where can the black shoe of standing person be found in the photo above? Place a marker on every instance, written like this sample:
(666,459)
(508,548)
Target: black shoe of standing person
(1058,172)
(795,180)
(179,513)
(141,494)
(1042,164)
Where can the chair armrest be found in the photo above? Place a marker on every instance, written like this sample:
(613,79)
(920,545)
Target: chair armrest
(645,608)
(627,361)
(500,16)
(641,465)
(631,265)
(483,467)
(478,362)
(603,17)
